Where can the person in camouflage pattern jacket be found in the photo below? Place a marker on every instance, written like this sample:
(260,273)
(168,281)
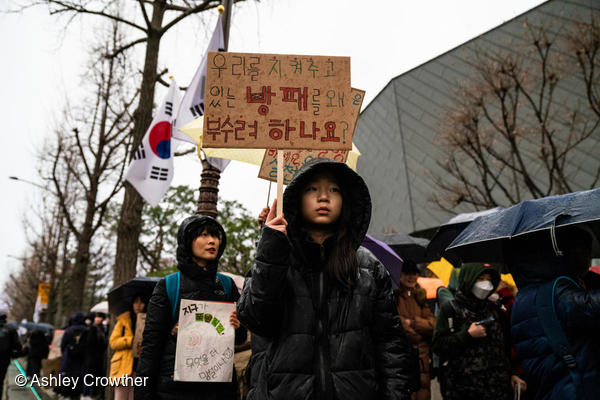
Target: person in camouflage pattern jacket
(475,357)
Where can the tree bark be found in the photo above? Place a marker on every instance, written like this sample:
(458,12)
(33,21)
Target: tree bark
(128,231)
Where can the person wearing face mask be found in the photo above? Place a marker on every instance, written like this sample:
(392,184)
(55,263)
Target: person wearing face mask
(470,337)
(417,321)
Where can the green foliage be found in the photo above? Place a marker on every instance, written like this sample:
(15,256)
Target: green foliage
(164,272)
(158,241)
(242,233)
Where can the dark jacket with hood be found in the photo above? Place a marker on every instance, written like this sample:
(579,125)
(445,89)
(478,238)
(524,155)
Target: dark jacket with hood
(157,359)
(477,368)
(578,311)
(321,341)
(71,365)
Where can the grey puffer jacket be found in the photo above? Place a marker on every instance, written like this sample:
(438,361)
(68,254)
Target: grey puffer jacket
(319,340)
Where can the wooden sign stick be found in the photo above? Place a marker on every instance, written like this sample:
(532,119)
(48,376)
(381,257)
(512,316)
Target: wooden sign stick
(279,182)
(269,195)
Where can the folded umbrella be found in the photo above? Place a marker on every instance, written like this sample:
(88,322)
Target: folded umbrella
(484,238)
(121,297)
(388,257)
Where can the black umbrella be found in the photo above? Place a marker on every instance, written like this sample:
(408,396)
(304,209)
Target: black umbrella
(484,238)
(406,246)
(446,233)
(121,297)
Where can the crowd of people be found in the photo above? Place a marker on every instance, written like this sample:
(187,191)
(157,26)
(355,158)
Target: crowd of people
(326,323)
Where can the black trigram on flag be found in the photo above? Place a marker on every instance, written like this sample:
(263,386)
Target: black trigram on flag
(139,154)
(169,108)
(160,174)
(197,110)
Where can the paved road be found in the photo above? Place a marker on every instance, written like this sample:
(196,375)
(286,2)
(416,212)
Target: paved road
(16,392)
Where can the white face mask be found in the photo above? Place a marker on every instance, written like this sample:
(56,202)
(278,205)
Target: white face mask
(482,289)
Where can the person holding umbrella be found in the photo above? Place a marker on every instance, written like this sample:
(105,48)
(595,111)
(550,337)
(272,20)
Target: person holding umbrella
(122,363)
(567,368)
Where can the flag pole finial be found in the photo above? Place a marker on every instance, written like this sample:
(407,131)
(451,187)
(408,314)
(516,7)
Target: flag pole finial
(221,9)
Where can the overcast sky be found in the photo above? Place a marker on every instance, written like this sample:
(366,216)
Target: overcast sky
(42,64)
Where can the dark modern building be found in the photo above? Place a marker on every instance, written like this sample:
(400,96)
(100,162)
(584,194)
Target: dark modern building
(400,132)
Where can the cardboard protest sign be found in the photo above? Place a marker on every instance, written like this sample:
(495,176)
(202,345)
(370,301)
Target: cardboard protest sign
(139,333)
(278,101)
(205,342)
(55,352)
(294,159)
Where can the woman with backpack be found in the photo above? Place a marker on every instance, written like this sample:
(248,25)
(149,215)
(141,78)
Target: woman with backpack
(72,348)
(200,243)
(322,304)
(122,363)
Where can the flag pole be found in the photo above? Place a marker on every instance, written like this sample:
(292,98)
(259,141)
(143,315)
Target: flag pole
(227,21)
(210,175)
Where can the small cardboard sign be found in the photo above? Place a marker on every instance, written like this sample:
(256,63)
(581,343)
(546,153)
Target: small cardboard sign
(55,352)
(205,342)
(278,101)
(140,323)
(293,161)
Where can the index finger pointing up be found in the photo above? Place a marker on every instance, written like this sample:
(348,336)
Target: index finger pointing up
(271,214)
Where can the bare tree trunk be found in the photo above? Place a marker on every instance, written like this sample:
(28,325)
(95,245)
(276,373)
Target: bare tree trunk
(128,232)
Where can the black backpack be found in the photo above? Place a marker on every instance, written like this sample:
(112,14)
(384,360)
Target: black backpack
(5,340)
(77,343)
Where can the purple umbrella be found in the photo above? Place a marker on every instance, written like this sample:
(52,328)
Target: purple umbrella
(387,256)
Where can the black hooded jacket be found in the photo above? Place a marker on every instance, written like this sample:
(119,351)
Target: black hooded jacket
(321,341)
(157,359)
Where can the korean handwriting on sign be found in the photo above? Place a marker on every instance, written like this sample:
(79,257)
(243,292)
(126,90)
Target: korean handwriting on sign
(240,65)
(264,97)
(192,308)
(221,94)
(302,66)
(240,129)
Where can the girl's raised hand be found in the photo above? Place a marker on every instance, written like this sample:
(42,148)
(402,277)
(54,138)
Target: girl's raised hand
(277,223)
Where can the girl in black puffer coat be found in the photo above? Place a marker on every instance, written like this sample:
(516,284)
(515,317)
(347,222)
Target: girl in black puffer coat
(199,281)
(322,305)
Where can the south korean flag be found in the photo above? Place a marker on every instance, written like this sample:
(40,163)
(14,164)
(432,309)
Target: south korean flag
(151,168)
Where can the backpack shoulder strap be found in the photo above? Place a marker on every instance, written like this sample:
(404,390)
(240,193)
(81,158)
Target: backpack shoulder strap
(226,282)
(172,282)
(546,311)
